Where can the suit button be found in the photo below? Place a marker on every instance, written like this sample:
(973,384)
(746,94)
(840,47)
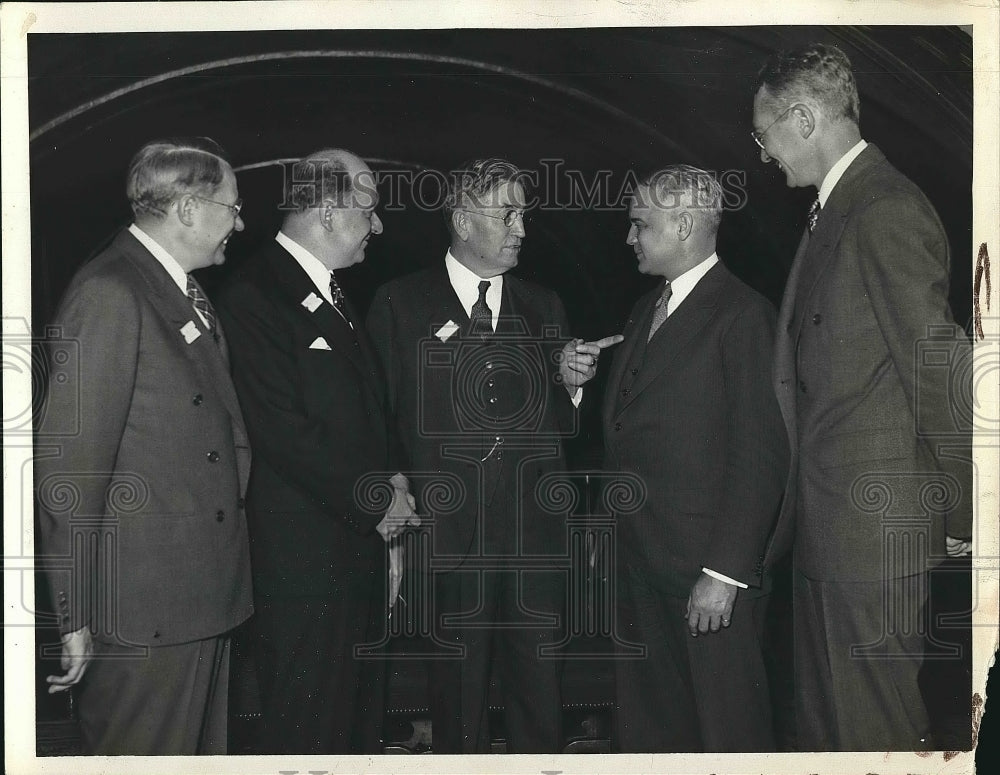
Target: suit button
(635,372)
(156,633)
(220,515)
(802,386)
(625,392)
(197,399)
(789,327)
(618,426)
(817,318)
(213,456)
(241,503)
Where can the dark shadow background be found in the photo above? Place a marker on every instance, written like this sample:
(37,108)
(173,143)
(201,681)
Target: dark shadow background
(620,100)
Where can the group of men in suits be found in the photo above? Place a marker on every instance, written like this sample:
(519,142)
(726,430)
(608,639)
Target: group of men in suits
(740,428)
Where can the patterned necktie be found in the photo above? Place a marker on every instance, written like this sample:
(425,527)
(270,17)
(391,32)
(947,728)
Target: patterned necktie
(813,215)
(201,303)
(338,296)
(660,311)
(482,315)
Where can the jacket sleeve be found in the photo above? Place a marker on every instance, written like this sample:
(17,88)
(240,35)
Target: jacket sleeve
(92,366)
(756,448)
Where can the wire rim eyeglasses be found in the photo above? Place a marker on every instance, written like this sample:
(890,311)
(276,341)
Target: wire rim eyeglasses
(234,208)
(758,137)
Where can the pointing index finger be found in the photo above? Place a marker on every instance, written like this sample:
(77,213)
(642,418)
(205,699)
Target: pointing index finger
(609,341)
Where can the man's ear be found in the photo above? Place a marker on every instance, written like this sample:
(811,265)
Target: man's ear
(328,215)
(186,206)
(685,225)
(460,223)
(805,119)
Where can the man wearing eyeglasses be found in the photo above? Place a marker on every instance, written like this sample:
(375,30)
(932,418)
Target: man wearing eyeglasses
(863,413)
(314,396)
(156,461)
(481,384)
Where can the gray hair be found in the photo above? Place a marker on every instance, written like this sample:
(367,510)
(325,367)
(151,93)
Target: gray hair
(322,176)
(163,170)
(474,179)
(704,194)
(818,72)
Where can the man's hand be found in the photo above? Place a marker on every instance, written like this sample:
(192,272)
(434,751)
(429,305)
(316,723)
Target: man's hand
(401,511)
(77,651)
(710,605)
(579,360)
(956,547)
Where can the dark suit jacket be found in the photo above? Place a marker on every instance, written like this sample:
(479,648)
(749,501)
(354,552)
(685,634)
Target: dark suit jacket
(317,418)
(141,439)
(694,417)
(433,391)
(864,407)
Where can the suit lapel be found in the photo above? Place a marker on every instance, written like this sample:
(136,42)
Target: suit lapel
(173,305)
(633,332)
(677,330)
(309,305)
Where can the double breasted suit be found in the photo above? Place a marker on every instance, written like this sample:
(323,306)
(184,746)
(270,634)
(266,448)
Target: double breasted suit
(481,420)
(692,415)
(870,419)
(141,470)
(314,399)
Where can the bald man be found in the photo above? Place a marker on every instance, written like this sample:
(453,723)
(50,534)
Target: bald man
(309,380)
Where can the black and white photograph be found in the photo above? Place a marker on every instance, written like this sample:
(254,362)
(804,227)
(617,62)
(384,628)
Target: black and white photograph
(479,386)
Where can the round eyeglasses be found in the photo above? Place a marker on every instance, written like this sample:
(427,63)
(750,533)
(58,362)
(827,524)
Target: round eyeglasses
(758,137)
(509,217)
(234,208)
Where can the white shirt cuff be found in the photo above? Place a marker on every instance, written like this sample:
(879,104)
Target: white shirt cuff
(728,580)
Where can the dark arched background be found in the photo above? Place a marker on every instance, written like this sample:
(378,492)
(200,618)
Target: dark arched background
(615,99)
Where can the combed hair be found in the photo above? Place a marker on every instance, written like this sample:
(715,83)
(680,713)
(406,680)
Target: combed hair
(163,170)
(704,193)
(474,179)
(817,71)
(319,177)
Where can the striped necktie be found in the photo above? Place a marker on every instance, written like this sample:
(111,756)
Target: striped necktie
(201,303)
(660,311)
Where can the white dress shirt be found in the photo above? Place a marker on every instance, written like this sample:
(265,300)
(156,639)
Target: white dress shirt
(168,262)
(837,172)
(466,285)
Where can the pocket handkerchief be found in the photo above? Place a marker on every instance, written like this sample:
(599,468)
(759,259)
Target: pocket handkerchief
(311,302)
(444,333)
(190,331)
(319,343)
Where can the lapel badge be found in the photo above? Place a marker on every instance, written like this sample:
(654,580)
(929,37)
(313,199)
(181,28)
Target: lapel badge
(445,332)
(312,302)
(190,331)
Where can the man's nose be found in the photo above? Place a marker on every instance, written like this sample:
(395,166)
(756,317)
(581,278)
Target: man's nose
(518,226)
(632,234)
(376,224)
(764,157)
(238,226)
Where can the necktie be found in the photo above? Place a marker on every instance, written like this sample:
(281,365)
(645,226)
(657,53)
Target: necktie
(482,315)
(660,311)
(201,303)
(338,296)
(813,215)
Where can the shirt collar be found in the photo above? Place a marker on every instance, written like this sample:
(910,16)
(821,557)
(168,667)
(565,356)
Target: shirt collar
(176,272)
(837,171)
(311,265)
(466,285)
(683,285)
